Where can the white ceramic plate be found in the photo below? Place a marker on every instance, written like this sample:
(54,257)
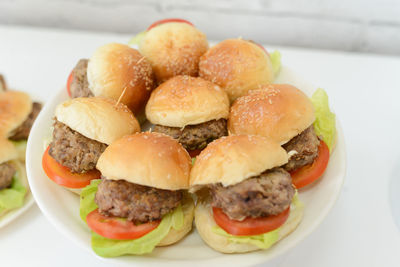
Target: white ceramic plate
(61,207)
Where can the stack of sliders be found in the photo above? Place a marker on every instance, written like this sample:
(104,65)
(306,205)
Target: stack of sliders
(17,114)
(134,185)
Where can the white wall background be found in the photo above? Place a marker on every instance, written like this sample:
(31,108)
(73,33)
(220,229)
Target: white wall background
(350,25)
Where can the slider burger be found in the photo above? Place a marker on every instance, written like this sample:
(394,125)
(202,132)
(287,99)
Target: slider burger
(17,114)
(173,47)
(140,202)
(285,115)
(246,199)
(115,71)
(191,110)
(237,66)
(83,128)
(13,182)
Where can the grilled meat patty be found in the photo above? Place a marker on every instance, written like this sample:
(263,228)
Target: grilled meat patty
(7,172)
(269,193)
(22,132)
(135,202)
(306,145)
(80,86)
(73,150)
(195,136)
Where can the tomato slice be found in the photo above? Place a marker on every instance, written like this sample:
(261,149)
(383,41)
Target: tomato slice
(118,228)
(309,173)
(194,153)
(63,176)
(159,22)
(69,81)
(250,226)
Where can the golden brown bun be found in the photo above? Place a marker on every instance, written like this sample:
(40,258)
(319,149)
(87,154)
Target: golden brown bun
(150,159)
(7,150)
(237,66)
(232,159)
(205,222)
(115,68)
(97,118)
(185,100)
(173,49)
(276,111)
(188,213)
(15,108)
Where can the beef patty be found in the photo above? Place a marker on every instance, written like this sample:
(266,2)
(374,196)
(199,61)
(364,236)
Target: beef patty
(195,136)
(269,193)
(135,202)
(80,86)
(306,145)
(22,132)
(7,172)
(73,150)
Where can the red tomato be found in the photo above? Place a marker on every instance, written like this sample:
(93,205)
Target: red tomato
(63,176)
(159,22)
(249,226)
(118,228)
(308,174)
(69,81)
(194,153)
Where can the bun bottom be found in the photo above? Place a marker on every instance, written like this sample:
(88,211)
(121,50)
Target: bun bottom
(205,221)
(188,213)
(23,178)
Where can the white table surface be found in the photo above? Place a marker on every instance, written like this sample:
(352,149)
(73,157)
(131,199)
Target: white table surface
(364,91)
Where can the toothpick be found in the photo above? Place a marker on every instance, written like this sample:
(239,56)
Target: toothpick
(140,60)
(120,97)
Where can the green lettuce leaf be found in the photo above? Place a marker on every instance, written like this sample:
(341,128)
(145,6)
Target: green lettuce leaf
(87,204)
(325,120)
(276,62)
(137,38)
(13,197)
(106,247)
(262,241)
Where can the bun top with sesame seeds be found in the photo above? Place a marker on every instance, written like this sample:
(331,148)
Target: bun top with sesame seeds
(185,100)
(120,72)
(237,66)
(232,159)
(277,111)
(173,49)
(150,159)
(98,118)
